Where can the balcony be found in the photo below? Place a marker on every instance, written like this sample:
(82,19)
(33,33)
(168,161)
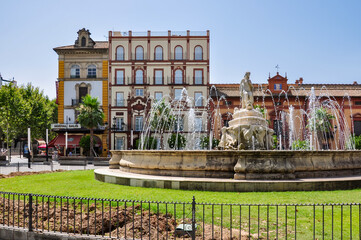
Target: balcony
(119,128)
(76,102)
(91,76)
(160,33)
(75,76)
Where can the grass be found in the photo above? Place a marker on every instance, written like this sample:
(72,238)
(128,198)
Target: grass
(83,184)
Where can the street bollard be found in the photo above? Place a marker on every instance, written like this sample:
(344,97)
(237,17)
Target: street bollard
(18,167)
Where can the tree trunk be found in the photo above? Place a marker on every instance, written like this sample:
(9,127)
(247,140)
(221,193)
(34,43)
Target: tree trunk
(91,143)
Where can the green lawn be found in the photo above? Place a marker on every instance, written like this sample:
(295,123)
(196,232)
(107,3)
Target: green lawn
(83,184)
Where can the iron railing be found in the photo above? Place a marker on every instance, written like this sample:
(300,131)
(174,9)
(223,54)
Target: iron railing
(133,219)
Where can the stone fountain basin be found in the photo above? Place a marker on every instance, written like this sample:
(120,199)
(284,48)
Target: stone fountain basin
(258,164)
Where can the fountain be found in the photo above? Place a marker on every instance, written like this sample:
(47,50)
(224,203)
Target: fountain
(244,159)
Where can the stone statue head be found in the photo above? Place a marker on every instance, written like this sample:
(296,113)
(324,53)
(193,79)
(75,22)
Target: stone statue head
(246,76)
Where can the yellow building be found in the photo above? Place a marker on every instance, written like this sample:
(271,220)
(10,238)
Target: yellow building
(83,69)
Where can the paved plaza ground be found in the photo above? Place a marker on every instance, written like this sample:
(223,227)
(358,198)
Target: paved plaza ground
(20,164)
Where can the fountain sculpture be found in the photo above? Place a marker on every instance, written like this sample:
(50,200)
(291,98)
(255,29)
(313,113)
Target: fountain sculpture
(243,158)
(249,129)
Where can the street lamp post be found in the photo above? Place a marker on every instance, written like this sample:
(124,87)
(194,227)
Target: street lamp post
(47,148)
(114,128)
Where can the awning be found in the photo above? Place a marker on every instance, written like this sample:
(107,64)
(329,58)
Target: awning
(59,141)
(42,146)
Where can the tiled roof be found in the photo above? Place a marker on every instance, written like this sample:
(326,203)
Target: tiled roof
(336,90)
(98,45)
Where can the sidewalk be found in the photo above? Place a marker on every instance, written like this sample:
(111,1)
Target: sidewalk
(19,164)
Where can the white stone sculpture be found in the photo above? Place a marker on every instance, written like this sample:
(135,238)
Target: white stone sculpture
(249,129)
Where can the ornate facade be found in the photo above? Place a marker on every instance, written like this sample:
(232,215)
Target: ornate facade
(83,69)
(146,67)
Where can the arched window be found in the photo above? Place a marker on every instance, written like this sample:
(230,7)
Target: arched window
(92,71)
(158,53)
(178,53)
(139,76)
(119,53)
(139,53)
(178,76)
(198,53)
(83,41)
(75,71)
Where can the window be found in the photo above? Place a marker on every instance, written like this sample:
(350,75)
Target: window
(119,143)
(357,103)
(178,124)
(138,123)
(119,77)
(198,77)
(139,76)
(92,71)
(75,71)
(158,96)
(177,94)
(83,91)
(198,124)
(83,41)
(277,86)
(158,77)
(198,53)
(119,101)
(178,76)
(357,127)
(178,53)
(198,99)
(119,123)
(119,53)
(226,123)
(139,92)
(158,53)
(139,53)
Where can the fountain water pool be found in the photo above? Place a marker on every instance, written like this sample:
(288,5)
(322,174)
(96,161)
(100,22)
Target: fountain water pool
(246,159)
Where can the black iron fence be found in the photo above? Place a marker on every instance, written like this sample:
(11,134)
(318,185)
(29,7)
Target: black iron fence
(130,219)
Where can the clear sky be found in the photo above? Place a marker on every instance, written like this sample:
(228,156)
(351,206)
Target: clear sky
(319,40)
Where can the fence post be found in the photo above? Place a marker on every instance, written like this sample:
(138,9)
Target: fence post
(194,218)
(30,213)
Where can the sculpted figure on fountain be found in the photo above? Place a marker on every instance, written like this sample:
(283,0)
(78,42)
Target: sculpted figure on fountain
(249,129)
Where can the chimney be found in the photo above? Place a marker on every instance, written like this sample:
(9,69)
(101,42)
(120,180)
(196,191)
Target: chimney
(301,80)
(355,83)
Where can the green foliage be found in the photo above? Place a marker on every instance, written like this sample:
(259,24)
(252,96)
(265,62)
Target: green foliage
(23,107)
(261,110)
(177,141)
(162,117)
(357,140)
(205,142)
(149,143)
(85,142)
(90,116)
(321,121)
(301,145)
(275,141)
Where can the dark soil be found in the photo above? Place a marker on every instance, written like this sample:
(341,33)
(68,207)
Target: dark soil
(17,174)
(74,216)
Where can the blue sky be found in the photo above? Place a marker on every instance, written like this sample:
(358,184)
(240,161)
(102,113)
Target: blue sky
(319,40)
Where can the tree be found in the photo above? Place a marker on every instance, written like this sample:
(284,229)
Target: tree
(85,143)
(162,119)
(13,110)
(177,141)
(41,112)
(205,142)
(320,123)
(90,116)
